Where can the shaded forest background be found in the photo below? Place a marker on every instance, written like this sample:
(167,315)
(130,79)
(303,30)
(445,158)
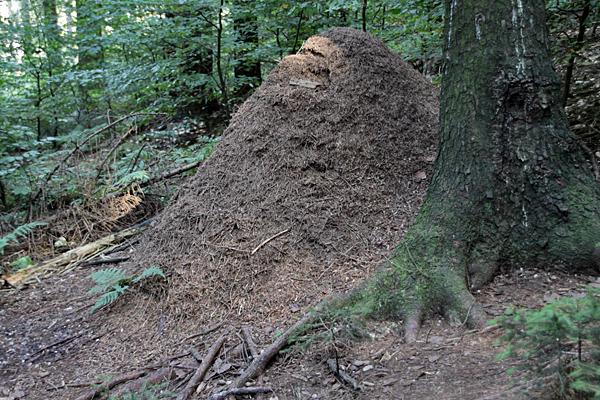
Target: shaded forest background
(102,103)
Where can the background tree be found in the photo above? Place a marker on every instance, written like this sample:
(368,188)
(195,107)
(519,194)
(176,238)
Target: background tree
(510,186)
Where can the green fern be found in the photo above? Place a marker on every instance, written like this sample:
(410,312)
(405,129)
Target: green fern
(22,230)
(113,281)
(106,279)
(148,272)
(133,176)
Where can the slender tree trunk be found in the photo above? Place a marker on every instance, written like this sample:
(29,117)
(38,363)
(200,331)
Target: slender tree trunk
(249,67)
(510,185)
(576,47)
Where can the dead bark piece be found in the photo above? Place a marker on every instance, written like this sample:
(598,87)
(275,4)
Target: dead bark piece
(258,364)
(343,375)
(163,374)
(239,391)
(250,342)
(90,394)
(305,83)
(203,368)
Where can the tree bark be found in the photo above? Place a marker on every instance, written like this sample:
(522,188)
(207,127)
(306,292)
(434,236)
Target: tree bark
(510,186)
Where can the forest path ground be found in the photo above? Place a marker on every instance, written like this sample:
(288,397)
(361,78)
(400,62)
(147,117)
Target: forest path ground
(52,347)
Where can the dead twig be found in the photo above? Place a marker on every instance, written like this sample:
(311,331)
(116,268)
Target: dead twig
(240,391)
(269,239)
(101,261)
(205,332)
(203,368)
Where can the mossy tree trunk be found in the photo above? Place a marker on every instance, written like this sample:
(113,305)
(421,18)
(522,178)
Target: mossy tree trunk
(510,185)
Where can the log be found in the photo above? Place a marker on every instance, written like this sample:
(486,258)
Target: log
(73,257)
(203,368)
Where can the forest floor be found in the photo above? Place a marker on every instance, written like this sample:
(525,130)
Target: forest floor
(53,347)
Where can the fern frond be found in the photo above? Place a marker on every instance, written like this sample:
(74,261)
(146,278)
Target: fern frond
(133,176)
(106,278)
(148,272)
(110,297)
(22,230)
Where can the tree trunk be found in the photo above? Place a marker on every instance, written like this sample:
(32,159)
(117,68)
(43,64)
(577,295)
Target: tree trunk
(248,69)
(510,186)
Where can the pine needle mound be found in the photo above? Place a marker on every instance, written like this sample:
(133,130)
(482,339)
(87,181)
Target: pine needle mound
(310,188)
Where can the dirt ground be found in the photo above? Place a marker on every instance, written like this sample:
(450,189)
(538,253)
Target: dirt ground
(53,347)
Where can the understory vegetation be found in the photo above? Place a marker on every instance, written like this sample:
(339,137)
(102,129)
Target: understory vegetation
(560,341)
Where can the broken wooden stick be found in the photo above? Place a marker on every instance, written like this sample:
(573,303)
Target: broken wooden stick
(258,364)
(269,239)
(343,375)
(239,391)
(203,368)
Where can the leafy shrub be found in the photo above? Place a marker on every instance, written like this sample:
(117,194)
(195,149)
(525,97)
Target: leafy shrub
(561,339)
(113,281)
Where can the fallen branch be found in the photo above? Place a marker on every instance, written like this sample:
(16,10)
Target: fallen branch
(63,341)
(156,179)
(343,375)
(167,175)
(258,364)
(240,391)
(101,261)
(90,394)
(203,368)
(163,374)
(72,258)
(269,239)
